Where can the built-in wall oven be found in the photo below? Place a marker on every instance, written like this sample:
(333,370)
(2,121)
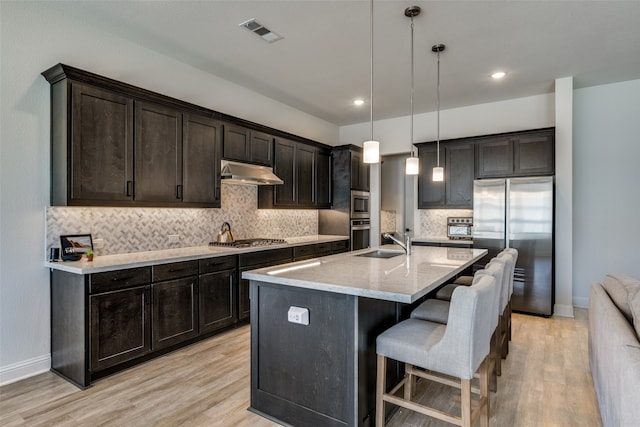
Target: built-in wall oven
(360,232)
(360,206)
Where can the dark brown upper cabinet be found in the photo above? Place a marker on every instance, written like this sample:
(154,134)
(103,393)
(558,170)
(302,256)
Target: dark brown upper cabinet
(456,191)
(360,172)
(246,145)
(528,153)
(101,146)
(158,148)
(114,144)
(306,172)
(201,142)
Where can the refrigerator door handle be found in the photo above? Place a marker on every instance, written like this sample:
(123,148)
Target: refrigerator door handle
(507,225)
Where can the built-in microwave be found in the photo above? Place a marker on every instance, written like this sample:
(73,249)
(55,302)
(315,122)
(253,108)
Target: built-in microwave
(460,228)
(360,206)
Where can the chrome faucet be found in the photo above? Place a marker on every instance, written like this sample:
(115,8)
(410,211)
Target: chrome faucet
(406,245)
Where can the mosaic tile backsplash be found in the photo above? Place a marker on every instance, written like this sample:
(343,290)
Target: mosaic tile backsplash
(433,222)
(125,230)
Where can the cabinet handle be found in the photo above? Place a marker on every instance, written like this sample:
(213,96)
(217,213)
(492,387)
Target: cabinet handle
(129,188)
(179,192)
(117,279)
(175,270)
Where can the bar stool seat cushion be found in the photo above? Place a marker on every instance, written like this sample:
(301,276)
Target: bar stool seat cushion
(445,292)
(410,341)
(433,310)
(464,280)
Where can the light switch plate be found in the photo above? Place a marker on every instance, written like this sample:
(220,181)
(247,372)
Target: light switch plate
(298,315)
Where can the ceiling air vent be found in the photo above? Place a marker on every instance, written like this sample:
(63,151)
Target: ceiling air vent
(262,31)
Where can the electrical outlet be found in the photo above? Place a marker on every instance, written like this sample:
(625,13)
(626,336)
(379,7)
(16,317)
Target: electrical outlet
(98,243)
(174,238)
(298,315)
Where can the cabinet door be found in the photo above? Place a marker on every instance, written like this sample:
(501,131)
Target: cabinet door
(323,178)
(235,144)
(430,194)
(534,154)
(359,173)
(305,175)
(158,175)
(284,167)
(174,311)
(261,148)
(119,326)
(244,303)
(459,174)
(101,145)
(217,298)
(494,157)
(201,160)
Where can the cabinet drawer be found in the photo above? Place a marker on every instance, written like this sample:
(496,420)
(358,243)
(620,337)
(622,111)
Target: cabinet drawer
(323,249)
(174,270)
(340,246)
(211,265)
(271,257)
(114,280)
(306,251)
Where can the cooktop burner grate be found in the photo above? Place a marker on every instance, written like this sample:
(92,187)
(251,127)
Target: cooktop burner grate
(249,243)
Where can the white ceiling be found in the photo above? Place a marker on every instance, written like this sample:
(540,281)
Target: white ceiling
(323,63)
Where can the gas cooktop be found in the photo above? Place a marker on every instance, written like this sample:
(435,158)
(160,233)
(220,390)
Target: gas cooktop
(249,243)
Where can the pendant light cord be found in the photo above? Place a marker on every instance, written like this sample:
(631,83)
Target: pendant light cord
(371,76)
(412,89)
(438,114)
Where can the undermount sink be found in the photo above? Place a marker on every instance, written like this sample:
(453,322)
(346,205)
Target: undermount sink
(380,253)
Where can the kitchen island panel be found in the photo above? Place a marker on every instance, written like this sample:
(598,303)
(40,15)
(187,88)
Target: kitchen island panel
(291,380)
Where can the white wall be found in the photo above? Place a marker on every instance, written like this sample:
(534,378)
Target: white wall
(516,114)
(33,38)
(606,185)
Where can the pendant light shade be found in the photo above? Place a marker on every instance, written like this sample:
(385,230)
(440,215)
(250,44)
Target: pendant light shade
(412,165)
(371,148)
(438,171)
(371,152)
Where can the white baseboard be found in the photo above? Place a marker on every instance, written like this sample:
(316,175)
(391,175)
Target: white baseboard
(581,302)
(563,310)
(25,369)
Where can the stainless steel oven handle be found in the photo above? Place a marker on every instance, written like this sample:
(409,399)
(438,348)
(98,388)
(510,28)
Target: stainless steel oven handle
(361,227)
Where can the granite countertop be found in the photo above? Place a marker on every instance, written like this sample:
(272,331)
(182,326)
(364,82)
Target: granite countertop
(143,259)
(401,279)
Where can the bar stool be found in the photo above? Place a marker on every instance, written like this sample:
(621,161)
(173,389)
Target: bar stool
(435,310)
(458,349)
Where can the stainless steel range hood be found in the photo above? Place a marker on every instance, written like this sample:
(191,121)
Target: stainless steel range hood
(248,174)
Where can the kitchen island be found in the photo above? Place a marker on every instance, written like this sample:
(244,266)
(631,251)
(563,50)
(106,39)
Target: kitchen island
(321,372)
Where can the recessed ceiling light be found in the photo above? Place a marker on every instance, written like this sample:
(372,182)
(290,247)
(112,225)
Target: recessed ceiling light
(498,75)
(358,102)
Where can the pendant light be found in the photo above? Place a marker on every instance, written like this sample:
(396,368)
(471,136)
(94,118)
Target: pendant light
(371,148)
(412,165)
(438,171)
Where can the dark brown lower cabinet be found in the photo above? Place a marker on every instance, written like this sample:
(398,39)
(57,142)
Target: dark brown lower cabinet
(174,311)
(217,300)
(120,326)
(104,322)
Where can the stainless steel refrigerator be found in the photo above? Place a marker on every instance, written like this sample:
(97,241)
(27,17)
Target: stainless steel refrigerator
(518,213)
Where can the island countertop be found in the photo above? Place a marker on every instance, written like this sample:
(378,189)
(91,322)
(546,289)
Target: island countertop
(402,278)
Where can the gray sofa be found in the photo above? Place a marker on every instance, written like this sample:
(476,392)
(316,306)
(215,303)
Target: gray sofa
(614,349)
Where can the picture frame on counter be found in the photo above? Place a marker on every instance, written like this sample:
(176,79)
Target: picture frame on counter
(73,246)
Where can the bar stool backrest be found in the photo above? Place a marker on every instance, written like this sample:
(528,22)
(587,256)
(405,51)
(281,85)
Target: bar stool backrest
(465,342)
(514,253)
(495,269)
(508,277)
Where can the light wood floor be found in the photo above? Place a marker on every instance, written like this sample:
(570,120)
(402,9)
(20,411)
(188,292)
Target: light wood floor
(545,382)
